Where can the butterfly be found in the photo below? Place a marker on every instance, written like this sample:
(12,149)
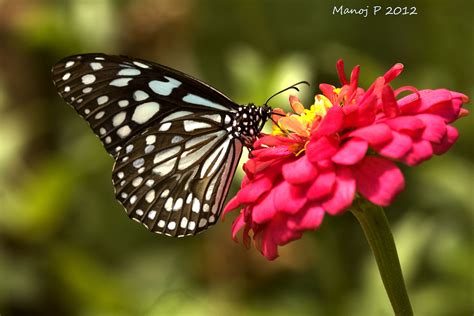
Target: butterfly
(176,141)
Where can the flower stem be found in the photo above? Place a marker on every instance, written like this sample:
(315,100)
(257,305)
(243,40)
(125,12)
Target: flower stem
(379,236)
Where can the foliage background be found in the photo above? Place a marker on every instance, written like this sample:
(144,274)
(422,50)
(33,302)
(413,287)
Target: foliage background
(67,247)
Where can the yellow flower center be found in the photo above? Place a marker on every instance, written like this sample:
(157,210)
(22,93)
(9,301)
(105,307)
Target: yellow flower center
(321,105)
(302,123)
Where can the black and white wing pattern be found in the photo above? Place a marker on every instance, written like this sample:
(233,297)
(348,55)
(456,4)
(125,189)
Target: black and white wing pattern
(120,96)
(176,141)
(176,183)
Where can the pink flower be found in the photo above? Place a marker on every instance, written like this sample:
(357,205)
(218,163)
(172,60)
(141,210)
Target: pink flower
(316,160)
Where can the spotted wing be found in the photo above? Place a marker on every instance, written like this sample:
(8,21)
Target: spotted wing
(175,180)
(120,96)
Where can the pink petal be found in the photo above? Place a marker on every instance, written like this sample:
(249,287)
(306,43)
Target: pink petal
(258,164)
(463,112)
(308,218)
(390,106)
(323,184)
(408,124)
(440,102)
(281,234)
(232,205)
(289,198)
(331,123)
(410,104)
(340,71)
(299,171)
(351,152)
(367,110)
(406,89)
(378,180)
(360,114)
(435,127)
(351,115)
(376,88)
(274,234)
(355,77)
(421,150)
(251,192)
(343,192)
(397,147)
(267,246)
(327,90)
(270,153)
(448,140)
(321,148)
(459,96)
(449,109)
(237,225)
(375,135)
(296,105)
(352,87)
(271,141)
(265,209)
(393,72)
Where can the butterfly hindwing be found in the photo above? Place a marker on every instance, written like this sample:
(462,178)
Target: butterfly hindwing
(121,96)
(175,181)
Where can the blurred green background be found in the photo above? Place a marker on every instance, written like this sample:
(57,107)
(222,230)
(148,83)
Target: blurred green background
(68,248)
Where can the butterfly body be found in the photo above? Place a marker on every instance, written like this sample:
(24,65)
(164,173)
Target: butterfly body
(248,122)
(176,141)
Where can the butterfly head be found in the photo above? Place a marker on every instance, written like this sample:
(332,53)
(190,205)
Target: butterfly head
(249,121)
(265,112)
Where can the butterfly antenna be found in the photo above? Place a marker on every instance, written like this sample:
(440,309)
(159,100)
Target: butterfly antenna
(276,123)
(276,113)
(293,86)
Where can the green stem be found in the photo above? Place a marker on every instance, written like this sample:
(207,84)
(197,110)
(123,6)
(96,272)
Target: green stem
(379,236)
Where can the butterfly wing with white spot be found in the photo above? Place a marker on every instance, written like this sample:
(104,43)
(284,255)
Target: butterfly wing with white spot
(175,181)
(120,96)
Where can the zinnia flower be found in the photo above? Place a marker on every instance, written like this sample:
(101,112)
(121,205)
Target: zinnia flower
(346,145)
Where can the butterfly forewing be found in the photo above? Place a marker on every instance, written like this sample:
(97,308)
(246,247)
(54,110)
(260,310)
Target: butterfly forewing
(121,96)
